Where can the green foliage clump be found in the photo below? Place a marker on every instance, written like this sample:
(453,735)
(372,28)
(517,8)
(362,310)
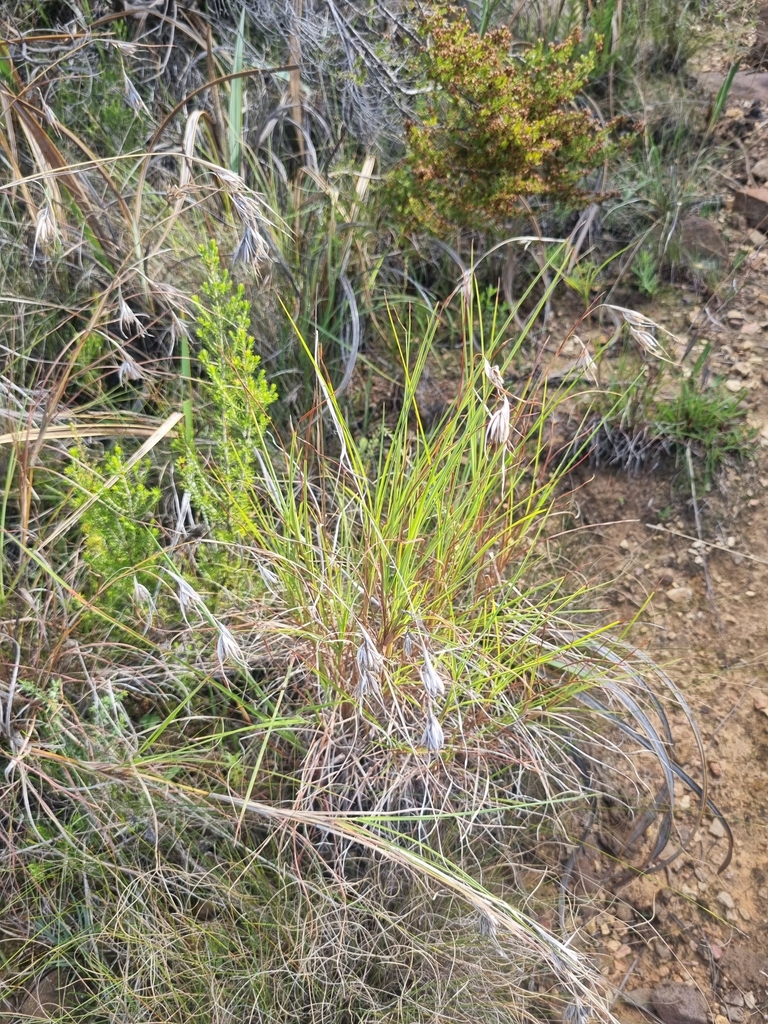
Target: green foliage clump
(118,530)
(217,466)
(497,127)
(710,420)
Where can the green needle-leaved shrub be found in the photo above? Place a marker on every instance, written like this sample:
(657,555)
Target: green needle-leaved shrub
(217,469)
(119,530)
(497,127)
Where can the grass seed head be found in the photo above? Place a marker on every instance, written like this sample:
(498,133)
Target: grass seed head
(141,595)
(494,376)
(647,342)
(127,320)
(128,371)
(132,97)
(433,738)
(370,666)
(431,679)
(228,650)
(45,228)
(499,425)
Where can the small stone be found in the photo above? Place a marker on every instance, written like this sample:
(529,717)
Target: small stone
(756,237)
(716,951)
(749,1000)
(622,952)
(726,900)
(753,203)
(733,998)
(715,768)
(624,545)
(760,170)
(745,914)
(663,952)
(731,542)
(676,1003)
(735,1014)
(720,1019)
(734,385)
(678,595)
(716,829)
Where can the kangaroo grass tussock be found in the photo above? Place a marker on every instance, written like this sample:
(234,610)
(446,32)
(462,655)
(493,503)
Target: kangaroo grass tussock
(353,703)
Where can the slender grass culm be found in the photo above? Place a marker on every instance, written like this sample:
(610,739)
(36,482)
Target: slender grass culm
(330,761)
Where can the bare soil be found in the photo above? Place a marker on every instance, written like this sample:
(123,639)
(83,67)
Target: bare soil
(691,923)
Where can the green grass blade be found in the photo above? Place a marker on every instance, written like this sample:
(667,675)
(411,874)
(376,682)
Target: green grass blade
(236,101)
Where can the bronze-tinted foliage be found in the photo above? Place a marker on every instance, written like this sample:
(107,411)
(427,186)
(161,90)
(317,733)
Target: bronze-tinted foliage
(496,128)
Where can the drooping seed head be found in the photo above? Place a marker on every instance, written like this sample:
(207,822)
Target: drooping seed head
(431,679)
(132,97)
(45,228)
(494,376)
(228,650)
(128,321)
(141,594)
(433,738)
(499,425)
(129,370)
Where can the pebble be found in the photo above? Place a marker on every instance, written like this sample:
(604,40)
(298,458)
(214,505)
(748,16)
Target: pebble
(679,594)
(716,768)
(716,829)
(726,900)
(624,545)
(734,385)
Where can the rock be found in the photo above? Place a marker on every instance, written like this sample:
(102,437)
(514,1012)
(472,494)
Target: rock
(756,237)
(733,998)
(666,577)
(749,86)
(760,170)
(734,385)
(735,1014)
(678,595)
(716,768)
(702,240)
(760,702)
(726,900)
(679,1004)
(717,829)
(753,203)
